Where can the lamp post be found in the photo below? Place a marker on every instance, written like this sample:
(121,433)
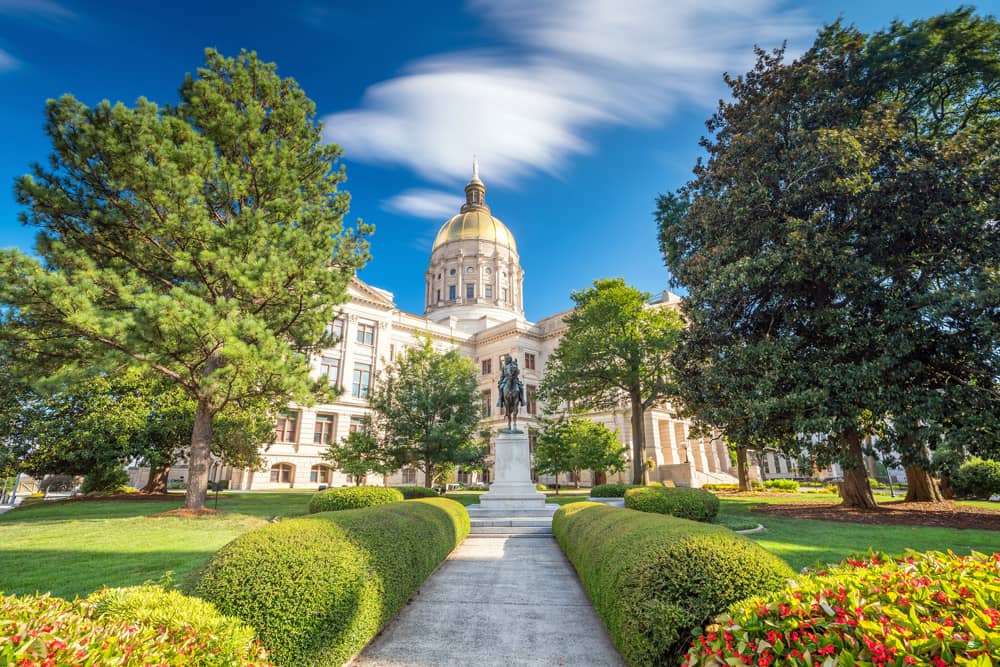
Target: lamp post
(685,448)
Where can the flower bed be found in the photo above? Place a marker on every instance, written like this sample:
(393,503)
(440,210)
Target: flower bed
(923,609)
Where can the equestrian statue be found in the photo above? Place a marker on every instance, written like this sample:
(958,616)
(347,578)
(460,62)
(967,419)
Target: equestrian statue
(511,391)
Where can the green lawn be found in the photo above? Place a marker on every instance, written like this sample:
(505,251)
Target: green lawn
(803,543)
(71,548)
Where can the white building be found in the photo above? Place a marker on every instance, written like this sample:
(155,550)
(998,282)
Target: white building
(473,300)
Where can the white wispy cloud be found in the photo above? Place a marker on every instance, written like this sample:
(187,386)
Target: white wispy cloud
(7,61)
(37,9)
(570,66)
(424,203)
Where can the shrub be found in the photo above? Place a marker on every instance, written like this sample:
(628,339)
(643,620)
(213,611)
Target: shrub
(922,609)
(319,588)
(724,488)
(476,487)
(693,504)
(611,490)
(56,483)
(418,492)
(352,497)
(541,487)
(43,630)
(979,478)
(789,485)
(104,480)
(655,484)
(653,579)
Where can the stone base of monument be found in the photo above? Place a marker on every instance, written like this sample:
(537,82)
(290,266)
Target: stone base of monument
(512,506)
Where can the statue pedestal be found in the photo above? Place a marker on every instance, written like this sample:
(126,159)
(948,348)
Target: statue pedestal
(512,488)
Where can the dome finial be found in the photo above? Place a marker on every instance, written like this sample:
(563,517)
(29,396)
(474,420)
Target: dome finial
(475,167)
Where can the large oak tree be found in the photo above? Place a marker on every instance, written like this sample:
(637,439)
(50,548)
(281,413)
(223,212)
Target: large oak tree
(203,242)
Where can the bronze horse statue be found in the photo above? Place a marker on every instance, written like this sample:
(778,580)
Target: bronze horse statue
(511,398)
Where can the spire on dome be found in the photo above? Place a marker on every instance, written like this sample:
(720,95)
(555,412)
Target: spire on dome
(475,168)
(475,191)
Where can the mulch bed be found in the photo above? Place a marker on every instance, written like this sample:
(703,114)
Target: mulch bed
(937,515)
(188,514)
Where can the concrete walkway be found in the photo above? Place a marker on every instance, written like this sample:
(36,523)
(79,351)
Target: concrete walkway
(497,602)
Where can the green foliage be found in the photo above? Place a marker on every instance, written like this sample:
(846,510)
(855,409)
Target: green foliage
(157,607)
(838,249)
(653,579)
(363,452)
(978,478)
(202,241)
(692,504)
(353,497)
(655,484)
(410,492)
(104,480)
(610,490)
(319,588)
(426,407)
(616,346)
(571,445)
(789,485)
(541,487)
(43,630)
(920,609)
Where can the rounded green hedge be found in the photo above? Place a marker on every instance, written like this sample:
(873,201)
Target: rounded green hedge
(693,504)
(410,492)
(979,478)
(319,588)
(789,485)
(654,579)
(610,490)
(352,497)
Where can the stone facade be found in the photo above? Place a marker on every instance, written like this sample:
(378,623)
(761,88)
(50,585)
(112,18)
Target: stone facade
(473,301)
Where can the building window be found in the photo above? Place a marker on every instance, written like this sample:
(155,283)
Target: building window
(452,290)
(529,361)
(766,463)
(470,290)
(503,294)
(777,463)
(323,431)
(321,474)
(470,269)
(452,272)
(284,429)
(362,380)
(330,369)
(366,333)
(409,476)
(489,291)
(529,395)
(439,296)
(336,329)
(487,366)
(282,473)
(487,398)
(357,425)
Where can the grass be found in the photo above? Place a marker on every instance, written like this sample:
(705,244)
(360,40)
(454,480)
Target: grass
(803,543)
(72,548)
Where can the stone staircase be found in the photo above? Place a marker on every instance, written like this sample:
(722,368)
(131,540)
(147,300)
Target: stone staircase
(505,522)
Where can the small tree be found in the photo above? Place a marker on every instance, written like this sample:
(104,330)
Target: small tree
(203,242)
(574,444)
(362,452)
(616,347)
(427,405)
(553,452)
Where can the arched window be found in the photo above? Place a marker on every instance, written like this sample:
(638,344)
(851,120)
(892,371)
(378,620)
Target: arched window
(320,474)
(282,473)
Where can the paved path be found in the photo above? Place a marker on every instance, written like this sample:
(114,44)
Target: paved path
(497,602)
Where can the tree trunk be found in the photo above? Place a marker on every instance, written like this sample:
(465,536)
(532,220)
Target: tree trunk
(638,441)
(428,474)
(576,479)
(855,491)
(201,449)
(157,479)
(557,484)
(743,468)
(920,486)
(947,490)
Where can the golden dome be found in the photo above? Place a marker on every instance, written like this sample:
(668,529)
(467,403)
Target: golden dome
(475,224)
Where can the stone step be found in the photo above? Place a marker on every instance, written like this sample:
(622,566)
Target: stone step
(478,512)
(505,531)
(511,521)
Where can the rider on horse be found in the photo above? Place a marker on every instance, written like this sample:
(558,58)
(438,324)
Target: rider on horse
(510,370)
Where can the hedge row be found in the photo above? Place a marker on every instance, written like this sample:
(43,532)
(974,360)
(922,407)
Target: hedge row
(979,478)
(136,626)
(410,492)
(654,579)
(611,490)
(352,497)
(693,504)
(789,485)
(319,588)
(922,609)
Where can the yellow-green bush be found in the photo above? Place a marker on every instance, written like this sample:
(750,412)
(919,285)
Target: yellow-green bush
(693,504)
(610,490)
(653,579)
(410,492)
(319,588)
(352,497)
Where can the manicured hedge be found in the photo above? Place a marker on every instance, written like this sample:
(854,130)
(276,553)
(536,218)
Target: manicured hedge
(789,485)
(611,490)
(319,588)
(141,626)
(693,504)
(922,609)
(653,579)
(410,492)
(352,497)
(979,478)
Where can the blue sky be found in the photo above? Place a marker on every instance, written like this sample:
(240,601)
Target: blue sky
(580,111)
